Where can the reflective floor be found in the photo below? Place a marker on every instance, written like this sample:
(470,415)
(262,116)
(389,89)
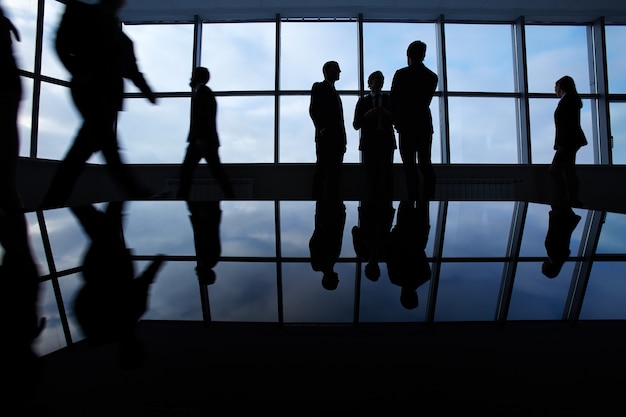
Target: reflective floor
(447,261)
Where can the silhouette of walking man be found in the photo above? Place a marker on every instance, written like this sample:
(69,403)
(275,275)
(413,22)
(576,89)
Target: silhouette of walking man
(412,90)
(11,87)
(372,116)
(569,138)
(326,111)
(203,140)
(91,45)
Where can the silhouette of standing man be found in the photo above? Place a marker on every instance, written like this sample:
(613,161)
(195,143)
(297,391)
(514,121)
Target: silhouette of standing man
(412,90)
(203,139)
(326,111)
(91,45)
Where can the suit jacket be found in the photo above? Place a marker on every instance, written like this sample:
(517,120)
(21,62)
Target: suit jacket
(203,124)
(412,90)
(568,132)
(326,111)
(376,131)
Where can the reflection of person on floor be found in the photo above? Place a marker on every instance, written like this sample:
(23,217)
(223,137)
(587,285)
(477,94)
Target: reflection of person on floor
(407,264)
(99,56)
(205,217)
(325,243)
(203,140)
(561,224)
(111,301)
(371,236)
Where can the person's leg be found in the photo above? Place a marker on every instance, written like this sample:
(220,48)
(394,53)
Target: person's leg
(557,173)
(9,150)
(571,177)
(424,149)
(217,169)
(408,151)
(187,169)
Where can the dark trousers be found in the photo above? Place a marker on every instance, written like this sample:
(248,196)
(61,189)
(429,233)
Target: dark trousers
(564,176)
(415,151)
(96,134)
(378,164)
(195,152)
(9,150)
(327,174)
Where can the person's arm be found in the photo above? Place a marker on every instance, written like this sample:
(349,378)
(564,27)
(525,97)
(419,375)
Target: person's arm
(131,69)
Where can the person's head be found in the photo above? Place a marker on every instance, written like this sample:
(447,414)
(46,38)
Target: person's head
(330,280)
(416,52)
(409,298)
(199,76)
(372,271)
(565,85)
(375,81)
(113,5)
(551,269)
(331,71)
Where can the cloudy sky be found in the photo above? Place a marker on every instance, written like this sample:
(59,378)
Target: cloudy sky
(241,58)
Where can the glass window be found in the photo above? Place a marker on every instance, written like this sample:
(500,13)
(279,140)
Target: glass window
(23,15)
(68,241)
(59,122)
(536,228)
(611,240)
(536,297)
(604,297)
(164,55)
(616,61)
(482,130)
(24,117)
(246,129)
(555,51)
(52,337)
(306,46)
(479,57)
(297,221)
(50,63)
(239,56)
(297,132)
(149,133)
(248,228)
(618,131)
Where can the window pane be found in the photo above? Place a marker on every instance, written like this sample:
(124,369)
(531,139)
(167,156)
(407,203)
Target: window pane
(59,122)
(50,63)
(68,241)
(611,239)
(51,337)
(468,70)
(555,51)
(618,131)
(297,133)
(468,291)
(23,15)
(469,222)
(239,56)
(149,133)
(616,61)
(24,117)
(246,129)
(306,46)
(482,130)
(542,131)
(536,228)
(536,297)
(164,55)
(604,298)
(297,221)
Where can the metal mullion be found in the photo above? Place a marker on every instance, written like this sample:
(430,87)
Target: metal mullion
(444,125)
(596,43)
(510,267)
(524,154)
